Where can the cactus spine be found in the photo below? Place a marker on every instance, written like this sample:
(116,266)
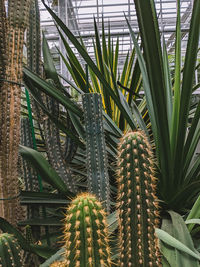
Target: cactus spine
(10,252)
(98,179)
(138,209)
(86,234)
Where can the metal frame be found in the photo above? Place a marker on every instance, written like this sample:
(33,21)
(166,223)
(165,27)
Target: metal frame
(78,15)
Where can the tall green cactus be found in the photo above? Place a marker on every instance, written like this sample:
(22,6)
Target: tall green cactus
(138,208)
(86,234)
(10,252)
(98,179)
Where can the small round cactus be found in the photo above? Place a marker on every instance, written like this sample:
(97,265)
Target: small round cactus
(86,234)
(138,208)
(10,251)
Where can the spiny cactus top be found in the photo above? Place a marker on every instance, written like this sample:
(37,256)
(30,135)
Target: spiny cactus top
(138,209)
(86,233)
(58,264)
(10,251)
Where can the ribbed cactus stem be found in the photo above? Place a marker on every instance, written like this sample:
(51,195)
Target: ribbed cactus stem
(138,208)
(10,251)
(86,234)
(3,32)
(97,167)
(10,107)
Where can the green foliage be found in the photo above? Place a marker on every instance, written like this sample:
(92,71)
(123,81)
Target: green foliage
(176,243)
(168,102)
(86,233)
(98,179)
(167,99)
(138,209)
(10,251)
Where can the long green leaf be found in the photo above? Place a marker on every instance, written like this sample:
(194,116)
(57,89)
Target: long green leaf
(51,91)
(168,85)
(101,65)
(171,241)
(176,104)
(194,213)
(46,172)
(192,139)
(150,36)
(49,67)
(90,62)
(187,83)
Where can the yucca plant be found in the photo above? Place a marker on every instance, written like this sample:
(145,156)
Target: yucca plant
(168,104)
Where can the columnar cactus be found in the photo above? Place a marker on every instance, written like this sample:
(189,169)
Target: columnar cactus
(86,234)
(97,167)
(138,209)
(10,251)
(10,105)
(3,32)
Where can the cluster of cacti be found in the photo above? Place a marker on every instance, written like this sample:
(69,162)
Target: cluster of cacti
(97,167)
(10,105)
(137,202)
(86,234)
(10,251)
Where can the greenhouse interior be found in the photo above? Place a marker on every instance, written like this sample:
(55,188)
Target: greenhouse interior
(99,133)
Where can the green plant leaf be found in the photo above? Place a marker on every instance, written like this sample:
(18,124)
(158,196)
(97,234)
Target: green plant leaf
(90,63)
(171,241)
(150,37)
(187,83)
(50,90)
(172,250)
(43,168)
(58,256)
